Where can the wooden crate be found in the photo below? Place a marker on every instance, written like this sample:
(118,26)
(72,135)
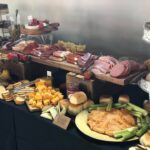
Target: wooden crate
(84,85)
(17,69)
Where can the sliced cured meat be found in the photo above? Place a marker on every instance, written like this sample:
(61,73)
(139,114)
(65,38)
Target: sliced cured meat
(96,71)
(134,66)
(117,70)
(61,54)
(142,67)
(86,56)
(72,58)
(127,65)
(56,58)
(85,59)
(111,60)
(102,68)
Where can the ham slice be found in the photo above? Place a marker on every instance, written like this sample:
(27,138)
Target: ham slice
(104,64)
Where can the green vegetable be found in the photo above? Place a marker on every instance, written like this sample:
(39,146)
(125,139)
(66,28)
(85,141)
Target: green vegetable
(124,134)
(119,134)
(128,135)
(143,129)
(138,109)
(119,105)
(139,124)
(97,107)
(136,114)
(147,118)
(109,106)
(128,108)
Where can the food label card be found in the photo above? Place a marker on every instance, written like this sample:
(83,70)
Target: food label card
(62,121)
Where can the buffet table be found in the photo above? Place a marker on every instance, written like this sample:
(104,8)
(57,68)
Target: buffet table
(23,130)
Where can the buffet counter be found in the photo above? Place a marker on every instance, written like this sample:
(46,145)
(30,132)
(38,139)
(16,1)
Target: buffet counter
(23,130)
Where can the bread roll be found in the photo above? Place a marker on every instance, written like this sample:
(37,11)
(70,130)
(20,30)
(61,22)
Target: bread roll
(19,100)
(64,104)
(105,99)
(147,78)
(147,106)
(123,99)
(87,104)
(147,64)
(78,98)
(145,139)
(75,109)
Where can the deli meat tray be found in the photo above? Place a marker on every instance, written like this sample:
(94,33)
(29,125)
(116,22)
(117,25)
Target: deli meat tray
(131,78)
(105,77)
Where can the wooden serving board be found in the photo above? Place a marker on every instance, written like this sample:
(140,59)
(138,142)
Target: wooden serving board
(74,68)
(32,109)
(121,81)
(61,65)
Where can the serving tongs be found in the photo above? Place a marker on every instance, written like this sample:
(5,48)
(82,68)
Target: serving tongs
(19,88)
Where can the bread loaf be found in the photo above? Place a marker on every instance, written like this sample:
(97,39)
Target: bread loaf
(78,98)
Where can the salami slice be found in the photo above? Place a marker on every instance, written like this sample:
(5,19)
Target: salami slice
(118,70)
(127,65)
(134,66)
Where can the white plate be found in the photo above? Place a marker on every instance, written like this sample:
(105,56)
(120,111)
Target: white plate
(81,123)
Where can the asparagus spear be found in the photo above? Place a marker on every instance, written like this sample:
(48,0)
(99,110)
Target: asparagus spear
(97,107)
(128,135)
(147,118)
(138,109)
(143,129)
(125,132)
(136,114)
(129,108)
(119,105)
(109,106)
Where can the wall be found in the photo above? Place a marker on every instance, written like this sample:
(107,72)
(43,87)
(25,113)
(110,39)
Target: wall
(106,26)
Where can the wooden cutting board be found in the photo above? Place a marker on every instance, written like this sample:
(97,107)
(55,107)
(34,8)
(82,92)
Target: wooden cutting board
(32,109)
(122,81)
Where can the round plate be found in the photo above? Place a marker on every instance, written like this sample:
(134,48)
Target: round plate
(81,123)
